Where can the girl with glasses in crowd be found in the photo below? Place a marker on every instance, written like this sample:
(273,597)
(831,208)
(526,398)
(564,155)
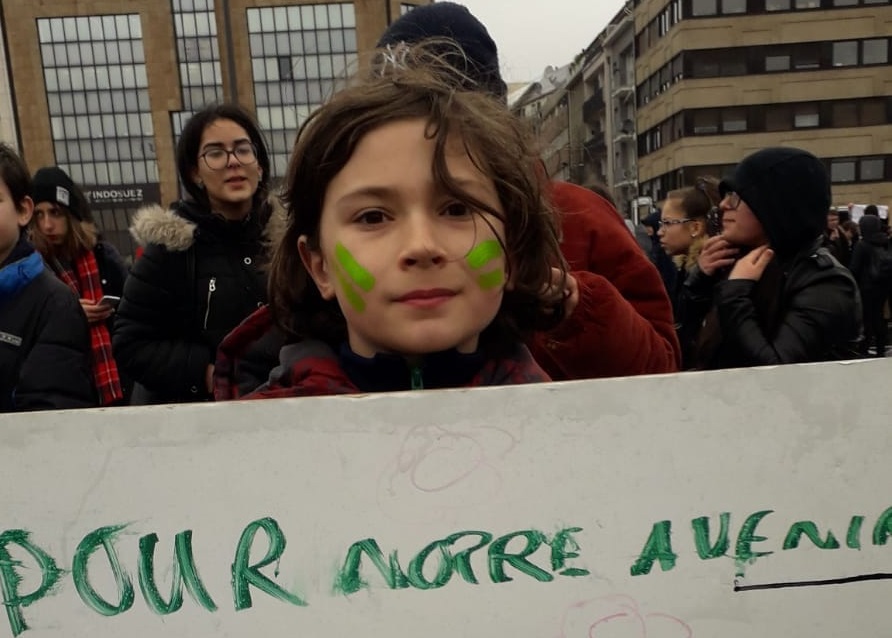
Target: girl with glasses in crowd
(200,273)
(765,290)
(683,225)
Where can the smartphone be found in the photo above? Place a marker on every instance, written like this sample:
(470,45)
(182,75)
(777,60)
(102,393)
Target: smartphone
(109,300)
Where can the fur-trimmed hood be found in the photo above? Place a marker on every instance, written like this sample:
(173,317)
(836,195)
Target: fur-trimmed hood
(154,224)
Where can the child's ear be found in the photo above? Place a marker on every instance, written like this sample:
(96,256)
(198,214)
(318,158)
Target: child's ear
(315,264)
(25,211)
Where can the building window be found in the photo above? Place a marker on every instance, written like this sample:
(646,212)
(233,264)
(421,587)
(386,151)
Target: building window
(845,114)
(777,5)
(733,6)
(845,3)
(734,120)
(842,170)
(300,55)
(845,53)
(808,4)
(875,51)
(872,169)
(405,8)
(704,7)
(777,63)
(778,118)
(873,112)
(806,117)
(706,122)
(807,56)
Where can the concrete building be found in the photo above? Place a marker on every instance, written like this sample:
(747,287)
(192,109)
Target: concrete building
(718,79)
(103,87)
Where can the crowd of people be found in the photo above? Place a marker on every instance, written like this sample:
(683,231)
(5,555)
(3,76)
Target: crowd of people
(417,243)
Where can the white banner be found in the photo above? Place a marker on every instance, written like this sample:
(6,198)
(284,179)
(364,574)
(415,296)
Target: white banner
(733,504)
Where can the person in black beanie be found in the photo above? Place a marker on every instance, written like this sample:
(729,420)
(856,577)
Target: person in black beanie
(616,297)
(765,290)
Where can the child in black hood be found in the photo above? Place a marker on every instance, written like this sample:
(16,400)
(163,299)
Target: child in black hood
(765,290)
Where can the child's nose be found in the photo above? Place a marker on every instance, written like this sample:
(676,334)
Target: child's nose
(421,244)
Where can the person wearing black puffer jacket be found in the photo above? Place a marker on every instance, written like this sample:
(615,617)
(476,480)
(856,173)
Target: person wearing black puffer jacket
(44,341)
(200,273)
(765,290)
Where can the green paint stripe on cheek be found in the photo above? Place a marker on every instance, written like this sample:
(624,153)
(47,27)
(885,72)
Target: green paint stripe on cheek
(362,277)
(490,280)
(483,253)
(351,295)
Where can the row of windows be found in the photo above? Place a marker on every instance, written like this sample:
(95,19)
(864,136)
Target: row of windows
(771,58)
(89,29)
(677,10)
(322,42)
(302,67)
(197,49)
(91,78)
(842,170)
(97,102)
(192,5)
(68,127)
(758,118)
(200,74)
(190,25)
(297,93)
(405,8)
(302,18)
(112,173)
(126,149)
(88,53)
(198,54)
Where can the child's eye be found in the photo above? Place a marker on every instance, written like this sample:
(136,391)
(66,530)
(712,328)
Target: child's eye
(370,217)
(456,209)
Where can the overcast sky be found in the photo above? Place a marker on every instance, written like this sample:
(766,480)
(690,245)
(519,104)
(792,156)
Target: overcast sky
(531,36)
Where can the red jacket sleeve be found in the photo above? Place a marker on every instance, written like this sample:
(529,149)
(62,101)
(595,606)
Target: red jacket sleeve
(623,323)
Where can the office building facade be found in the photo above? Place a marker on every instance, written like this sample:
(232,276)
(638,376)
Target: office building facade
(103,88)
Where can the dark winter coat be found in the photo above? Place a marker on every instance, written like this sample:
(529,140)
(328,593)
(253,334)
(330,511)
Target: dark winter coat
(198,277)
(44,339)
(804,309)
(873,240)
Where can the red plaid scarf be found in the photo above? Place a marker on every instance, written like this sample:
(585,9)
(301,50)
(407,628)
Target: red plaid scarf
(84,281)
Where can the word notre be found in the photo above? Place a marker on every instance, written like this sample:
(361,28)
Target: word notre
(658,546)
(441,558)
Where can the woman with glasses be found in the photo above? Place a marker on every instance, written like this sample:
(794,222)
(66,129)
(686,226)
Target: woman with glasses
(767,292)
(683,227)
(200,273)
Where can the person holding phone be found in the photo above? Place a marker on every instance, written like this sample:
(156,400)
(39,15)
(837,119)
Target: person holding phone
(63,231)
(686,216)
(765,291)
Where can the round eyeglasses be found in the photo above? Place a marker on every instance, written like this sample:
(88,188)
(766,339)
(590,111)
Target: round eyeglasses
(731,201)
(218,158)
(673,222)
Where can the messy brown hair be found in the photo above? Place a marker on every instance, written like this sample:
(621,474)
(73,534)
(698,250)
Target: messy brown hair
(499,144)
(82,236)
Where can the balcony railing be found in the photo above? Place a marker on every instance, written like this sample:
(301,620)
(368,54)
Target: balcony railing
(595,145)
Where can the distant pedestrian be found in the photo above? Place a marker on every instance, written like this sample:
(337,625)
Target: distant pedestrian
(872,268)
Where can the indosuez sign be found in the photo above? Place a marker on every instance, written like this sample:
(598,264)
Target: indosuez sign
(123,194)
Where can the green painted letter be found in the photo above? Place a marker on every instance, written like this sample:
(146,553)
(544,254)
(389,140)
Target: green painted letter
(462,560)
(10,580)
(747,537)
(498,557)
(444,570)
(104,537)
(244,575)
(853,536)
(183,570)
(811,530)
(705,549)
(658,547)
(883,529)
(564,546)
(349,580)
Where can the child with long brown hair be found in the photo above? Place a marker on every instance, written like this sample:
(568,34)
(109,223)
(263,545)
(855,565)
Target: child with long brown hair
(419,250)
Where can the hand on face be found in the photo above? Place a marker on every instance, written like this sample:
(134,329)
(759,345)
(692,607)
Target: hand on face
(717,253)
(570,290)
(753,264)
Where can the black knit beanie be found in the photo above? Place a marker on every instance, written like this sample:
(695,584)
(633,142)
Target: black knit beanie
(52,184)
(453,21)
(788,190)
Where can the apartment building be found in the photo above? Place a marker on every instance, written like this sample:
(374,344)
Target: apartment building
(102,88)
(718,79)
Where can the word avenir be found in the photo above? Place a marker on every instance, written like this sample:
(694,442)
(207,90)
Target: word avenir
(711,543)
(532,554)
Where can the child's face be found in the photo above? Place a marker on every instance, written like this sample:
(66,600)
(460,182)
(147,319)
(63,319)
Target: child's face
(11,219)
(413,270)
(51,222)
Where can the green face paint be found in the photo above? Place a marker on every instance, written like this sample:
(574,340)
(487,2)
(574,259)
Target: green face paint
(360,276)
(491,280)
(483,253)
(352,296)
